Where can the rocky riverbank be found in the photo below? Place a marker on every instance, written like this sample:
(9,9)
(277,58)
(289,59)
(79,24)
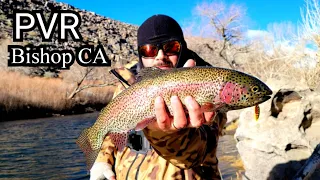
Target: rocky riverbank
(287,132)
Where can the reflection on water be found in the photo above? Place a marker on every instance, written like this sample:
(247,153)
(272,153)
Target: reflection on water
(46,149)
(43,148)
(227,148)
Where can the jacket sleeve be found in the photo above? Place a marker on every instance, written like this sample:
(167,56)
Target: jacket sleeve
(107,152)
(190,147)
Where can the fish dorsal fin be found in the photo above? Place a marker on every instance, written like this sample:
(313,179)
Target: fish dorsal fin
(149,72)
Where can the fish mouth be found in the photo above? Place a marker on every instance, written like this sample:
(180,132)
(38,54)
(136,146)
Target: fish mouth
(269,91)
(263,99)
(266,96)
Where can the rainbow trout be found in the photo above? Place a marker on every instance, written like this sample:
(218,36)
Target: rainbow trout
(215,89)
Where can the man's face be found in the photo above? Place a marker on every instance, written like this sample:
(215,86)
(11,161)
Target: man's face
(161,61)
(163,56)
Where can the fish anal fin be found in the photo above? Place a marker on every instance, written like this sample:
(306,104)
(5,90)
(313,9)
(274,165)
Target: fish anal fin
(144,123)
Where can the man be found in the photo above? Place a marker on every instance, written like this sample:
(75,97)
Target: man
(183,146)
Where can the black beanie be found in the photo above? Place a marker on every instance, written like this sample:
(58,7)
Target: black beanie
(156,30)
(160,28)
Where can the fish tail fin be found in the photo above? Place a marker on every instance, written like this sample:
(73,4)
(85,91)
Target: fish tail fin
(88,147)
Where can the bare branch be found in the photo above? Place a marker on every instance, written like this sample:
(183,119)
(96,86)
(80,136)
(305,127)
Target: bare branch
(86,77)
(225,24)
(311,22)
(86,73)
(79,89)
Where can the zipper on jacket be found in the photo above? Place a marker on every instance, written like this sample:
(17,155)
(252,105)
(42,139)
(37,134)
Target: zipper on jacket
(131,166)
(138,169)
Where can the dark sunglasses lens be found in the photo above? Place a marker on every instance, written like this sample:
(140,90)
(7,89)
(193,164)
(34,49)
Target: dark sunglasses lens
(148,50)
(172,48)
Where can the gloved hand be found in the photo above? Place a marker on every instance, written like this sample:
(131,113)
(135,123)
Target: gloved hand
(102,170)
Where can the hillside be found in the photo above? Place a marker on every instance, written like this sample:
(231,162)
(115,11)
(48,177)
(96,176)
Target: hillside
(118,39)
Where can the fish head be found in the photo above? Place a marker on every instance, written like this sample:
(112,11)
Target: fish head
(242,90)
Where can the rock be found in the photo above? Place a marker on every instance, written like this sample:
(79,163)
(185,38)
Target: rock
(233,115)
(276,146)
(117,58)
(111,57)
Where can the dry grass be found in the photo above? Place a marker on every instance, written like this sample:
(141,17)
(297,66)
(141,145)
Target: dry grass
(312,77)
(32,91)
(18,91)
(266,69)
(280,65)
(283,70)
(96,95)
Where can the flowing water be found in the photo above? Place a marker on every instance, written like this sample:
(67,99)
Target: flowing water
(45,149)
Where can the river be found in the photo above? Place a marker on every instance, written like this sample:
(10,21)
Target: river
(45,149)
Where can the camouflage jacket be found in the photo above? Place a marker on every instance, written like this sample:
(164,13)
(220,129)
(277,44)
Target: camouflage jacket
(187,154)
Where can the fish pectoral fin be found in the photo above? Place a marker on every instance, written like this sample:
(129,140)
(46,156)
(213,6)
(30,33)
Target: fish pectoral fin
(207,107)
(119,139)
(144,123)
(210,106)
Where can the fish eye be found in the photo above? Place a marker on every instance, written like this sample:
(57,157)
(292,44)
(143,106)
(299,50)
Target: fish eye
(255,88)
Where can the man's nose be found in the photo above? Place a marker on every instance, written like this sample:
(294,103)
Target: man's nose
(160,55)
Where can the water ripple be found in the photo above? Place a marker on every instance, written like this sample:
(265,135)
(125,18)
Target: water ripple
(43,148)
(46,149)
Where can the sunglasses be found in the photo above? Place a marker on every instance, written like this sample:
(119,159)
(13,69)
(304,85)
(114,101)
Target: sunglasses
(169,48)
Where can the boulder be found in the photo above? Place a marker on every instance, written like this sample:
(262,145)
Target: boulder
(285,135)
